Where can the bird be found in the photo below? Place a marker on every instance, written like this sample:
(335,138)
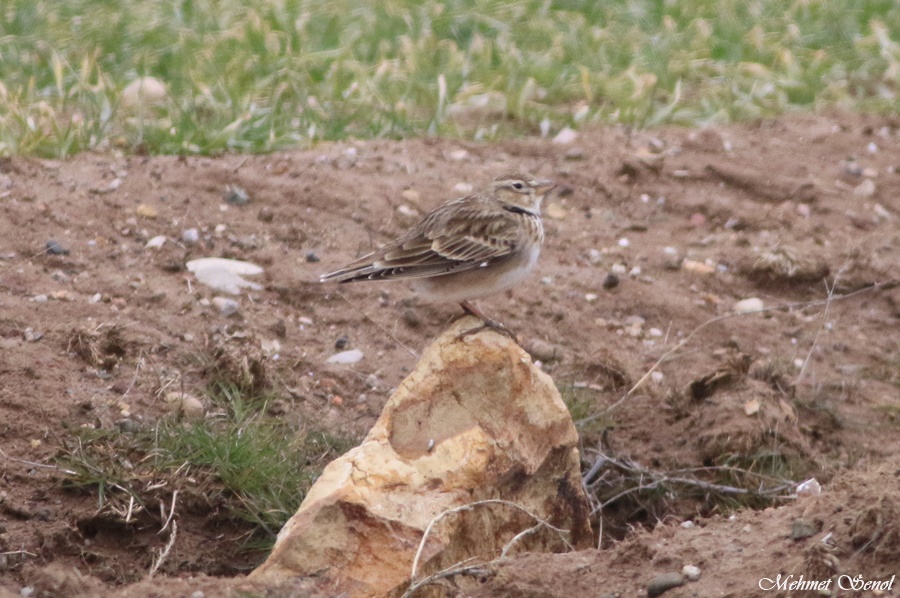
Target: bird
(466,248)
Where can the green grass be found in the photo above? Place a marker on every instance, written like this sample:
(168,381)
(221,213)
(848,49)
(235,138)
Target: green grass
(240,460)
(258,76)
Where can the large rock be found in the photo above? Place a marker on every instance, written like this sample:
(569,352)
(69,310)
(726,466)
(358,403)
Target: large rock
(475,421)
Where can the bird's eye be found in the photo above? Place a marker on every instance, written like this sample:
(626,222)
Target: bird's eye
(518,186)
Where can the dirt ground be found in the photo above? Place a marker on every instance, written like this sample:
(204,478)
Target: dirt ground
(650,235)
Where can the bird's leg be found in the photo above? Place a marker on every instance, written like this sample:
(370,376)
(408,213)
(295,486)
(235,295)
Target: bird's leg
(487,323)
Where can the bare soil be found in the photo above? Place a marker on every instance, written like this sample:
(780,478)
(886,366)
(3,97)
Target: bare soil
(800,212)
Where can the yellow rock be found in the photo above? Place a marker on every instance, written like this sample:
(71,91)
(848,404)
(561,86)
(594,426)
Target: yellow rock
(476,423)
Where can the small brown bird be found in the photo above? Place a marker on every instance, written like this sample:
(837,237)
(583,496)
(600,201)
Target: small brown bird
(465,248)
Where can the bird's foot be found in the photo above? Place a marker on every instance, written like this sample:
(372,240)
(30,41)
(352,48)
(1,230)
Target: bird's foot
(486,324)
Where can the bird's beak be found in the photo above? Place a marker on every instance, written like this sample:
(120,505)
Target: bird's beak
(545,187)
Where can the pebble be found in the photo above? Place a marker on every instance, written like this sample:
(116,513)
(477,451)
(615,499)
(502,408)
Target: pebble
(751,304)
(464,188)
(565,136)
(345,357)
(543,351)
(459,155)
(40,298)
(411,318)
(144,91)
(188,406)
(810,487)
(236,196)
(865,189)
(145,211)
(341,343)
(190,236)
(698,267)
(618,269)
(265,214)
(156,242)
(691,572)
(55,248)
(26,592)
(590,297)
(697,219)
(224,275)
(556,212)
(611,281)
(624,242)
(31,336)
(663,583)
(312,258)
(226,307)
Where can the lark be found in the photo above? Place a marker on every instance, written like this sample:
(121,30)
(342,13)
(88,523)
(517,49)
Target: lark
(466,248)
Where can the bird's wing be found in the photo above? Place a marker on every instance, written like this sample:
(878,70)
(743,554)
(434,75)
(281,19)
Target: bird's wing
(463,236)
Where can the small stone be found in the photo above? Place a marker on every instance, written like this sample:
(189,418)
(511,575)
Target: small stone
(145,211)
(227,307)
(459,155)
(31,336)
(565,136)
(156,242)
(751,407)
(54,248)
(803,528)
(143,92)
(590,297)
(40,298)
(611,281)
(624,242)
(265,214)
(345,357)
(556,211)
(341,343)
(749,305)
(691,572)
(619,269)
(697,220)
(198,594)
(26,592)
(224,275)
(543,351)
(810,487)
(865,189)
(663,583)
(687,524)
(236,196)
(411,196)
(698,267)
(464,188)
(411,318)
(312,258)
(190,236)
(657,376)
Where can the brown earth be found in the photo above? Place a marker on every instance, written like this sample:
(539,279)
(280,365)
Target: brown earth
(787,211)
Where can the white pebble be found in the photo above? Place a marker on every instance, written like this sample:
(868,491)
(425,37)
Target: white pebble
(872,148)
(687,524)
(590,297)
(346,357)
(566,135)
(226,306)
(462,188)
(156,242)
(624,242)
(95,298)
(618,269)
(190,236)
(635,272)
(810,487)
(798,363)
(655,332)
(40,299)
(224,275)
(657,376)
(645,198)
(751,304)
(691,572)
(669,250)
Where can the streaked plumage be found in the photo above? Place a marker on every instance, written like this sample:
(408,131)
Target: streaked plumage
(466,248)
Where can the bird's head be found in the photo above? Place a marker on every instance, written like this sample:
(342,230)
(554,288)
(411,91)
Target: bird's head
(522,190)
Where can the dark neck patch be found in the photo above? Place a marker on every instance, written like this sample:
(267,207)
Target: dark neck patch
(518,210)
